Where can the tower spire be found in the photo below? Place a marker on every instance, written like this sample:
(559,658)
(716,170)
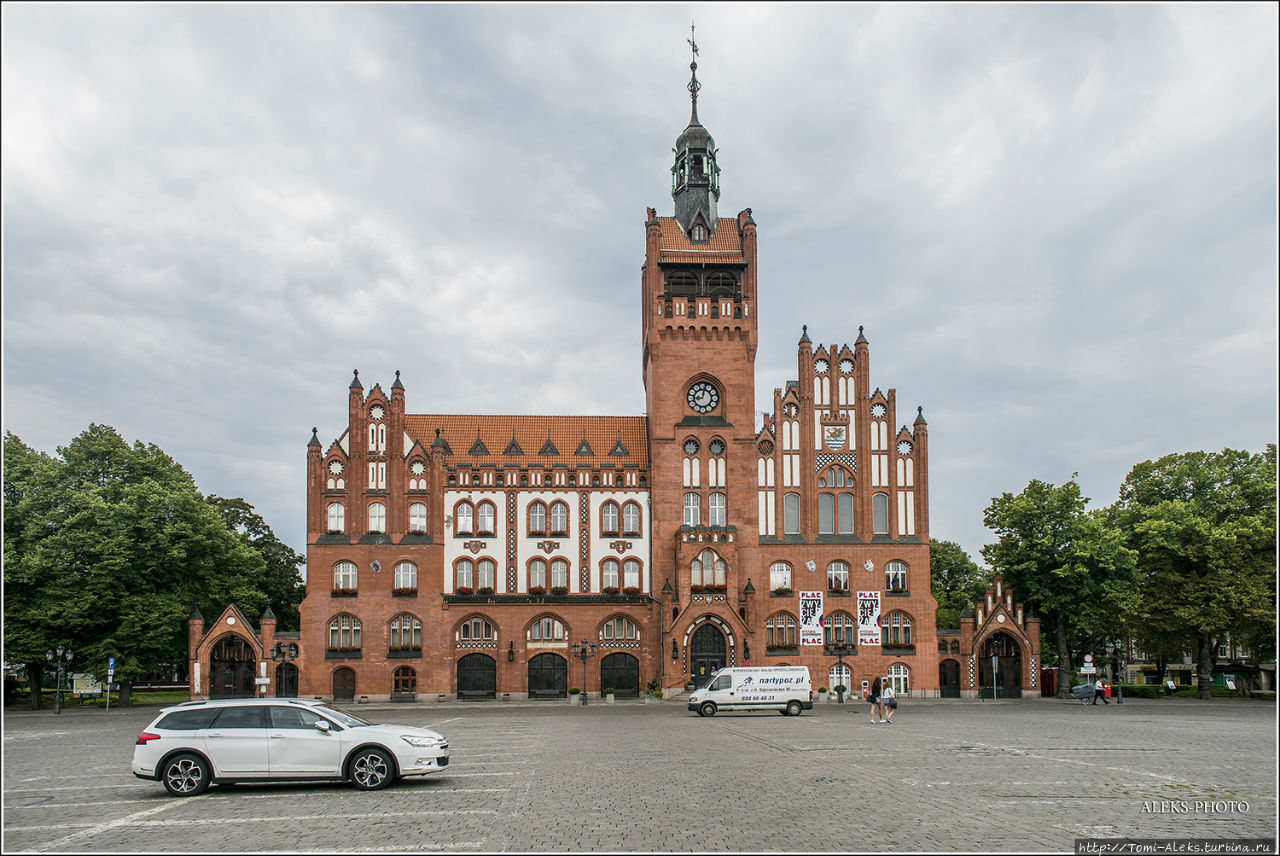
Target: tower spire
(694,85)
(695,175)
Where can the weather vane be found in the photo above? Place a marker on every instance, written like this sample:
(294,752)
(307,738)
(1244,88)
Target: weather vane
(694,85)
(691,41)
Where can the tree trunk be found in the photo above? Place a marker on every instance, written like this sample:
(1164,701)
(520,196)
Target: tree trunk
(1064,658)
(1204,665)
(35,671)
(1160,669)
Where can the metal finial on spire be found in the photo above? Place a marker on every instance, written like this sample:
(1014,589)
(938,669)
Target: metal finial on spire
(694,85)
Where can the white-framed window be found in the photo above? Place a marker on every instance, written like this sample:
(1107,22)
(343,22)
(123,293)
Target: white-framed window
(344,633)
(838,576)
(609,518)
(406,632)
(619,630)
(692,509)
(464,570)
(839,629)
(631,573)
(716,510)
(609,573)
(559,573)
(537,518)
(895,630)
(462,518)
(476,630)
(839,676)
(631,517)
(547,629)
(418,518)
(707,569)
(377,517)
(559,519)
(337,517)
(344,575)
(486,573)
(779,576)
(900,678)
(537,573)
(485,514)
(406,575)
(895,576)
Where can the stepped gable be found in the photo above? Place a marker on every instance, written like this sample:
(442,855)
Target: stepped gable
(501,437)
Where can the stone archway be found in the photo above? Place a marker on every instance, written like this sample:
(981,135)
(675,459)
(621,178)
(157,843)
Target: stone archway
(1007,654)
(231,667)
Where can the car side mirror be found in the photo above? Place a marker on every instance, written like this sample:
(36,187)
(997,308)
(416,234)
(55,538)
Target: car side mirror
(321,725)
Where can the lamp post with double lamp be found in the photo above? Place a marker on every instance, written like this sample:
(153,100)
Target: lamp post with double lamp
(840,648)
(1115,648)
(583,650)
(58,657)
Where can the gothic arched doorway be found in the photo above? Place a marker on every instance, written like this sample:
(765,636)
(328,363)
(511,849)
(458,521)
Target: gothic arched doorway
(949,679)
(477,677)
(1007,654)
(548,677)
(344,685)
(231,665)
(286,680)
(707,653)
(622,672)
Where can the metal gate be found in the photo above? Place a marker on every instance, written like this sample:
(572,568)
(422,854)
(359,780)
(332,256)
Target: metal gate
(708,653)
(548,677)
(286,681)
(231,665)
(949,679)
(1006,682)
(477,677)
(622,672)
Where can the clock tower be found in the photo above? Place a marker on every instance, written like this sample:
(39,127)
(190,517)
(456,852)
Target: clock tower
(699,346)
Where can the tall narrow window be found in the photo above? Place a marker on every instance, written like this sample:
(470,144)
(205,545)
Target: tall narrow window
(559,519)
(609,573)
(895,576)
(844,514)
(559,573)
(418,518)
(377,517)
(406,633)
(406,576)
(344,633)
(631,519)
(826,514)
(880,514)
(838,576)
(609,518)
(779,576)
(791,514)
(486,573)
(537,518)
(716,510)
(631,573)
(462,515)
(464,569)
(537,573)
(484,518)
(692,509)
(336,517)
(344,576)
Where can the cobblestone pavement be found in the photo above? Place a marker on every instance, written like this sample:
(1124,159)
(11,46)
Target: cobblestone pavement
(1029,775)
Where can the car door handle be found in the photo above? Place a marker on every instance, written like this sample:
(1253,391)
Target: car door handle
(276,736)
(215,735)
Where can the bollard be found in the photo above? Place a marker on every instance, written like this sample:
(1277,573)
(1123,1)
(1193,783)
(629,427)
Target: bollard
(1119,694)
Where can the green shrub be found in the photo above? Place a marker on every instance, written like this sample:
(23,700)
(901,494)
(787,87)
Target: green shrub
(574,690)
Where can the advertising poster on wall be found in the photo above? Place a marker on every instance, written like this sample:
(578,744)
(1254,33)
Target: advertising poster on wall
(869,618)
(810,618)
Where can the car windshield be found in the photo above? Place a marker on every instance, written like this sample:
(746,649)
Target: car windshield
(346,720)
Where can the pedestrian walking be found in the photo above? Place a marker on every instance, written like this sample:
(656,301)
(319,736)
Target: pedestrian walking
(874,698)
(1098,693)
(889,700)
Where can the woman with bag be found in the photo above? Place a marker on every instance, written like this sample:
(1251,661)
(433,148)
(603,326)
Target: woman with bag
(874,697)
(890,702)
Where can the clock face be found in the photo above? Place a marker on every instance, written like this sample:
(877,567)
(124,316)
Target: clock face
(790,409)
(691,446)
(716,447)
(821,366)
(878,411)
(376,412)
(335,467)
(417,468)
(904,448)
(703,397)
(846,366)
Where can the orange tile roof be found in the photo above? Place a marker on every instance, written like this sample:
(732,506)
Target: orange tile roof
(725,246)
(602,434)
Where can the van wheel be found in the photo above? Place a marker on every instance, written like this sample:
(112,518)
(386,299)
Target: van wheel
(707,709)
(794,708)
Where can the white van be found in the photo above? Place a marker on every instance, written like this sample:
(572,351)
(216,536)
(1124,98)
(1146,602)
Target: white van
(783,688)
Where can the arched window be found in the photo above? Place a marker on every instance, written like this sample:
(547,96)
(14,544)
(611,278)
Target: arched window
(900,678)
(682,284)
(344,576)
(895,631)
(844,514)
(337,519)
(609,518)
(484,518)
(692,509)
(344,633)
(880,514)
(839,629)
(406,576)
(476,629)
(406,633)
(559,573)
(707,569)
(377,517)
(404,680)
(826,514)
(838,576)
(559,519)
(631,573)
(537,573)
(631,519)
(418,518)
(537,518)
(609,573)
(716,510)
(791,514)
(486,574)
(462,513)
(463,574)
(721,285)
(546,629)
(895,576)
(779,576)
(619,630)
(780,631)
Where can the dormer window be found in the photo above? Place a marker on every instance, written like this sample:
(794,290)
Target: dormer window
(699,232)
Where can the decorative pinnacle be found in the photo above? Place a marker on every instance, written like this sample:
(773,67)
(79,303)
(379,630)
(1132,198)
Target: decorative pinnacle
(694,85)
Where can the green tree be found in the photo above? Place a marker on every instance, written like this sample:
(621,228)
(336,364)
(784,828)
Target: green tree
(107,549)
(956,580)
(1204,527)
(1065,562)
(281,581)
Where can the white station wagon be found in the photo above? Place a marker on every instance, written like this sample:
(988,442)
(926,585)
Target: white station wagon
(197,743)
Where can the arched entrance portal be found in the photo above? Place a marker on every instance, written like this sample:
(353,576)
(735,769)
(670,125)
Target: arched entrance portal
(622,672)
(949,679)
(548,677)
(286,680)
(231,668)
(477,677)
(1007,655)
(344,684)
(707,652)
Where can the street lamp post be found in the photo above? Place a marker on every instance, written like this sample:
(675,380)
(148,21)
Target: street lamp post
(583,650)
(1116,648)
(58,657)
(840,648)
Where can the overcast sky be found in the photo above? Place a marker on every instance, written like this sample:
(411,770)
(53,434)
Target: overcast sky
(1057,223)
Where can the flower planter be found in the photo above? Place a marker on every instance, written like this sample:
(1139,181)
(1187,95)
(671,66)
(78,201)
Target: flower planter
(608,698)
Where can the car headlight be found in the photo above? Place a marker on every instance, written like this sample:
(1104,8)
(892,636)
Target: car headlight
(421,742)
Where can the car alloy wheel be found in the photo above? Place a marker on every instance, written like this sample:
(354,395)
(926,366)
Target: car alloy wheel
(186,775)
(371,769)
